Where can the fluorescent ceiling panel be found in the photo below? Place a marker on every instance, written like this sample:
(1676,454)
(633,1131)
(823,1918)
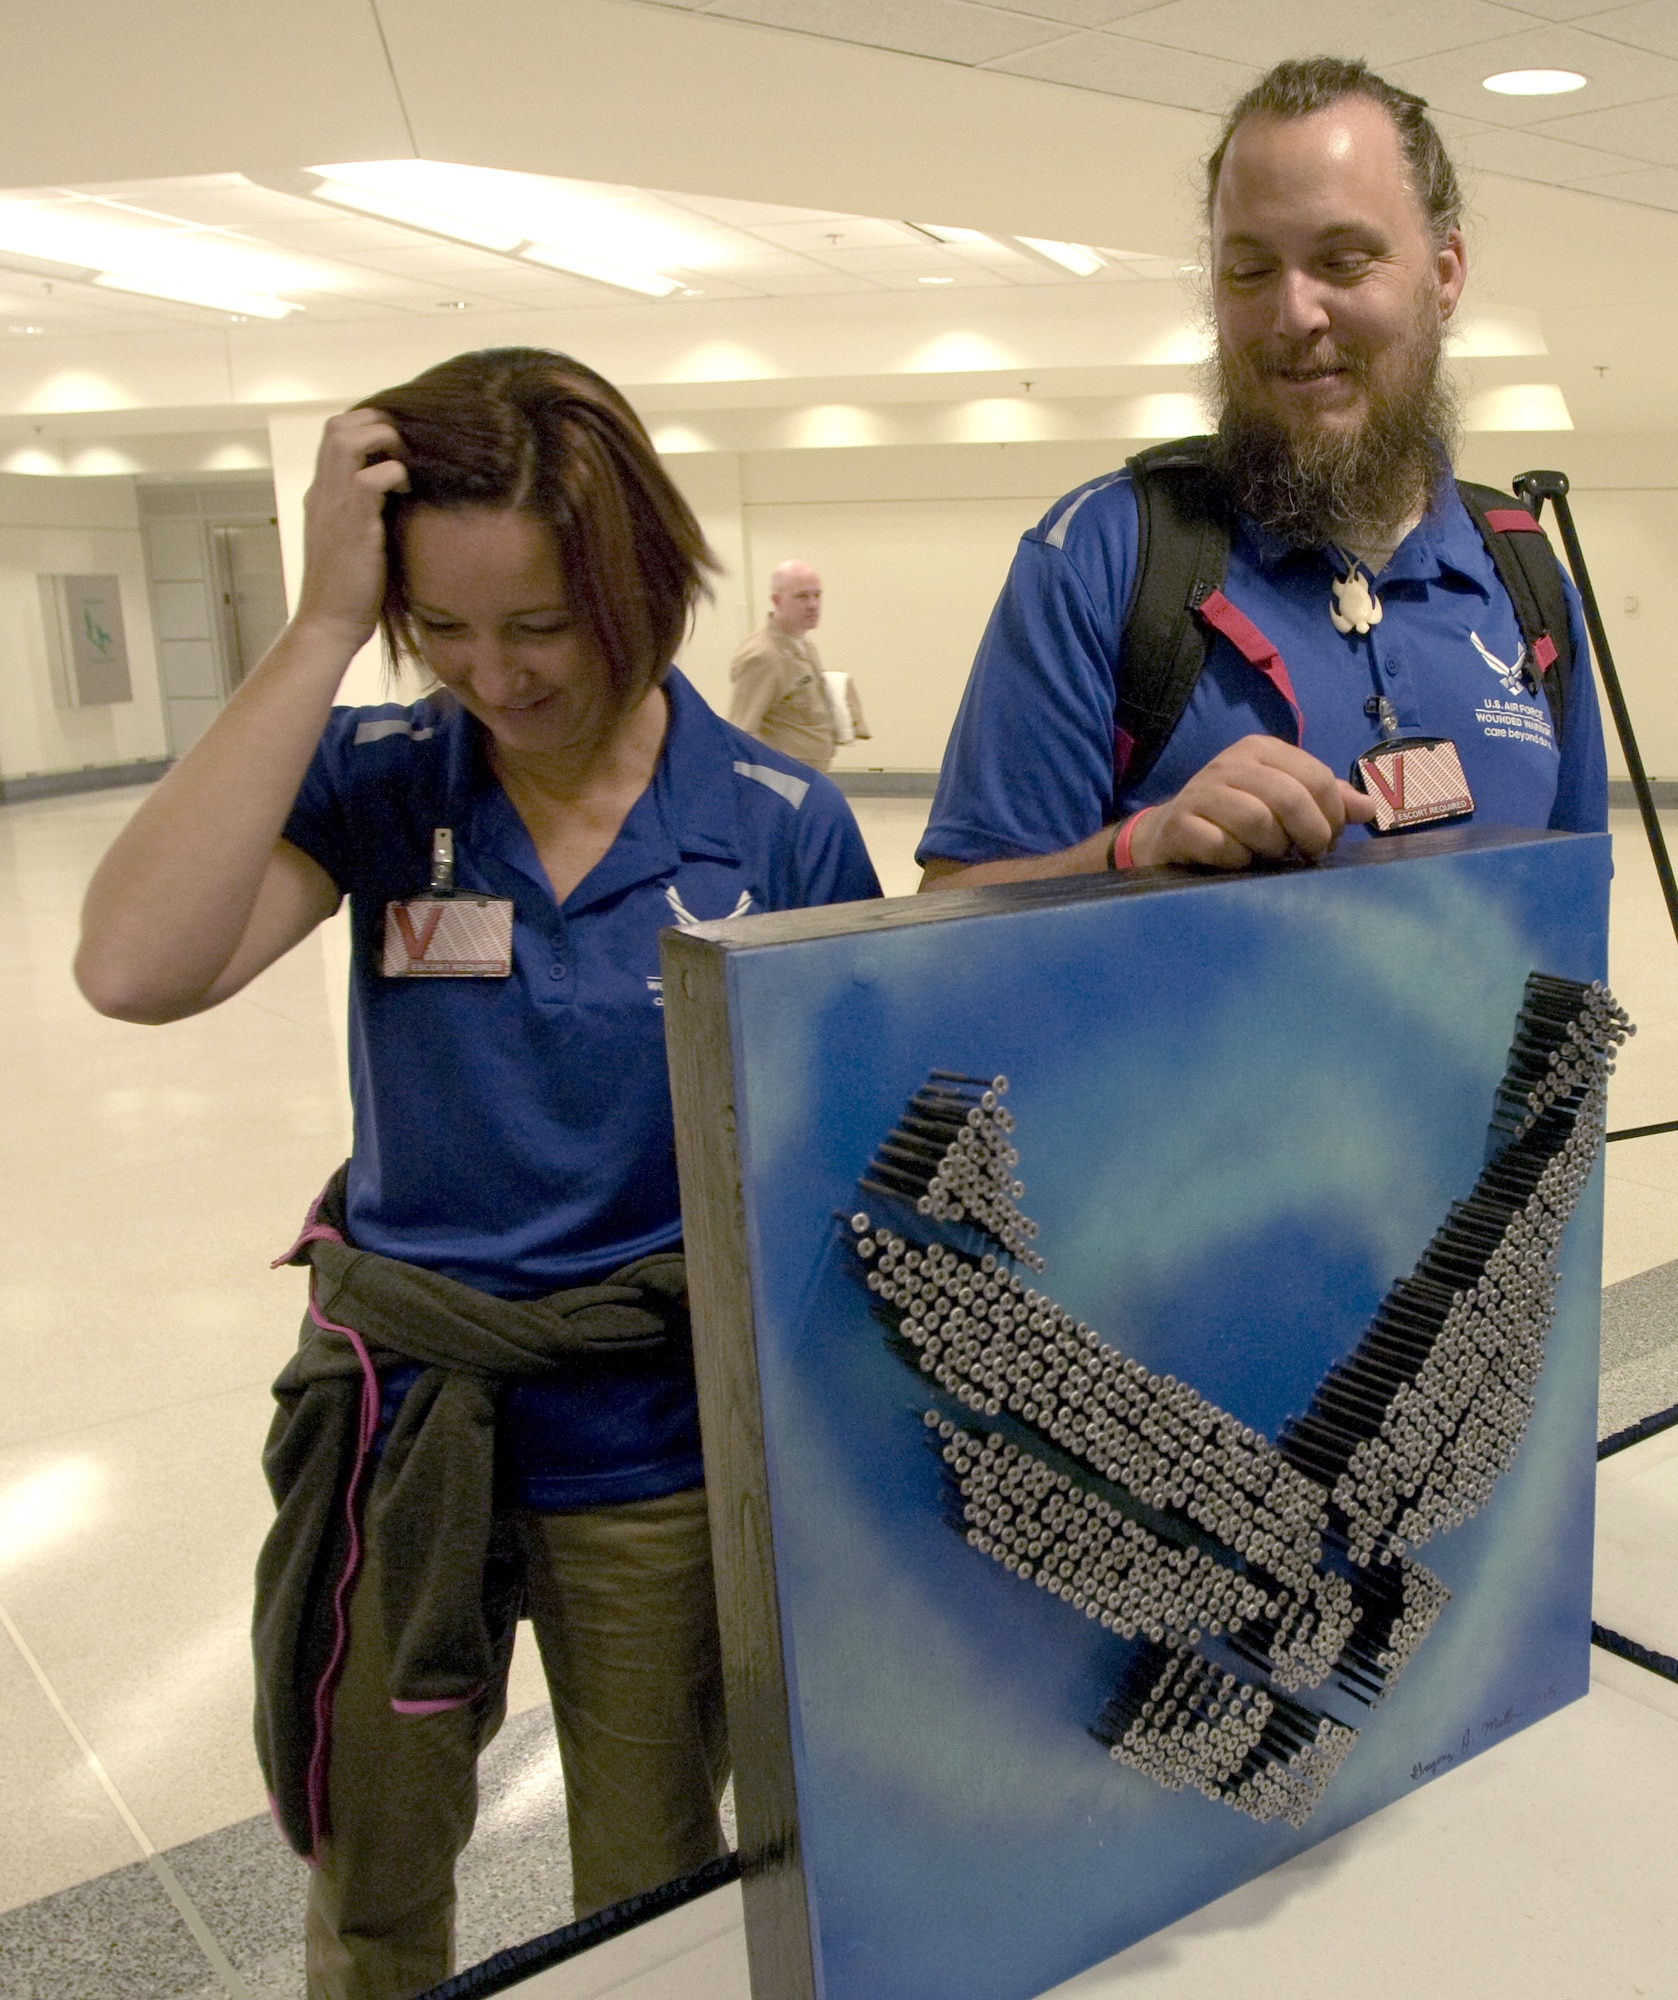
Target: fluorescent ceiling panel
(652,283)
(1077,258)
(1520,406)
(527,215)
(413,215)
(247,305)
(130,251)
(943,232)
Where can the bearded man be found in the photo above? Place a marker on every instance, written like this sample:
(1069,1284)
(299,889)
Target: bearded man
(1360,603)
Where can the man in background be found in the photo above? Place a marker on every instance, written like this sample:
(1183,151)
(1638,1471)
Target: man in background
(780,693)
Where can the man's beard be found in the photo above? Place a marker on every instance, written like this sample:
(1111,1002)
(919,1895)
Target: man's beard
(1315,483)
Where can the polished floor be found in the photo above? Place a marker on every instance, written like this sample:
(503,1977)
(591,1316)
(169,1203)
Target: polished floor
(150,1177)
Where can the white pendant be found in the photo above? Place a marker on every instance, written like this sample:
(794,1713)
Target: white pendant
(1356,607)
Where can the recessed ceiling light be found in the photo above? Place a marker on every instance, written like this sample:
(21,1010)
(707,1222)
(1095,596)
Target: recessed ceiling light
(454,305)
(692,292)
(25,329)
(937,281)
(1534,82)
(1078,258)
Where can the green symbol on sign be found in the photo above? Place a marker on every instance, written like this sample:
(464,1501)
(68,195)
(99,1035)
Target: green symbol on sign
(97,636)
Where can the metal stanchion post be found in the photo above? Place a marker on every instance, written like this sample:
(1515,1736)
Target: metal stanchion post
(1535,488)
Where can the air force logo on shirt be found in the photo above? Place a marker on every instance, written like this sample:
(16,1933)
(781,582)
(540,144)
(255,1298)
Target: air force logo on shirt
(687,921)
(1516,679)
(1518,715)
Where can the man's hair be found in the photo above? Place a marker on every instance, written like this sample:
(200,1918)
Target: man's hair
(537,433)
(1313,83)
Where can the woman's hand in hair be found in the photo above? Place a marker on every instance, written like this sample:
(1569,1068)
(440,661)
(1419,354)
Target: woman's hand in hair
(343,524)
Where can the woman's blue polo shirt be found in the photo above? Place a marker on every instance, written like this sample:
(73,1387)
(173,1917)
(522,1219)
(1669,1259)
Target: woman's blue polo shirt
(516,1134)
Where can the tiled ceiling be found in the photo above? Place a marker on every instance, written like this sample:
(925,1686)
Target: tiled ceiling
(1616,137)
(338,267)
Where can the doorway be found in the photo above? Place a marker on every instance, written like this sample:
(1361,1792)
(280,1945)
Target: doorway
(217,591)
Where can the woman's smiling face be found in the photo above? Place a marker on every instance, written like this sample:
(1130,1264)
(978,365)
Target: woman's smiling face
(492,617)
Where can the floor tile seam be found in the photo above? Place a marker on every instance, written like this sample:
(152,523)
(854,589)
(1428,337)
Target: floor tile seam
(321,1029)
(1622,1164)
(70,1179)
(264,1381)
(1637,1178)
(320,1038)
(167,1879)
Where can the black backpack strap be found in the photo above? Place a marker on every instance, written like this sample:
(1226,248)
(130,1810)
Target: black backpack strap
(1527,568)
(1183,540)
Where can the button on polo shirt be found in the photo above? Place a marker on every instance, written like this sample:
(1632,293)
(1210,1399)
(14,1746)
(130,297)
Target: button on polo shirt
(1029,769)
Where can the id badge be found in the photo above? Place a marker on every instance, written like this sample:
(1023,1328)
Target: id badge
(1414,781)
(448,937)
(445,936)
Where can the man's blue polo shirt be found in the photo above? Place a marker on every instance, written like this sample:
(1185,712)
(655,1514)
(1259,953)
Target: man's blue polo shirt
(1029,767)
(516,1134)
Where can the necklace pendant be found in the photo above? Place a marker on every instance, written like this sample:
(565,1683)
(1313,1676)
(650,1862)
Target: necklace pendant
(1356,607)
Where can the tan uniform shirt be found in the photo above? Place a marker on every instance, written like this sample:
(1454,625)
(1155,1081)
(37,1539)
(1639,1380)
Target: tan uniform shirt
(778,695)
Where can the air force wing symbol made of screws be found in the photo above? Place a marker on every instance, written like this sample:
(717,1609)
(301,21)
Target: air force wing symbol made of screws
(1267,1582)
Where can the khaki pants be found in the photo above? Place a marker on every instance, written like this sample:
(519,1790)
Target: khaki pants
(624,1612)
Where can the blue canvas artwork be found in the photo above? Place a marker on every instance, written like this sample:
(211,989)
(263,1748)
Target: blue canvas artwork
(1174,1318)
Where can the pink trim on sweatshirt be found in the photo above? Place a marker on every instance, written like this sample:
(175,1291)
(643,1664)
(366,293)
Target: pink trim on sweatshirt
(439,1707)
(315,1784)
(314,1231)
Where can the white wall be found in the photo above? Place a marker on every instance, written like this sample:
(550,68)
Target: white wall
(710,483)
(293,440)
(907,587)
(913,541)
(1624,495)
(1630,540)
(77,527)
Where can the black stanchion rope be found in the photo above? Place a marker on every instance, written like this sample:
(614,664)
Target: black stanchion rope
(1645,1427)
(519,1962)
(1629,1649)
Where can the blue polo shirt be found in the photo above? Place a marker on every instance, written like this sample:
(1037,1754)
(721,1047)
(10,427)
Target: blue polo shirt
(516,1134)
(1029,767)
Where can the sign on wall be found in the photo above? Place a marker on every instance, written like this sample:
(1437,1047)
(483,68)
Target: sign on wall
(93,647)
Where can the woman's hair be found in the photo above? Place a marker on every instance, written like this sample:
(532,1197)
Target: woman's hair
(540,434)
(1297,89)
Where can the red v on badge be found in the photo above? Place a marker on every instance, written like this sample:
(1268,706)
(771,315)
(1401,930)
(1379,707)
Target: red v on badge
(418,942)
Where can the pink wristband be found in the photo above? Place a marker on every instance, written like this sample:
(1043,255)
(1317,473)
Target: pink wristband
(1118,855)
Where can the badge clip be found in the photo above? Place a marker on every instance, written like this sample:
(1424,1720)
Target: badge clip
(442,861)
(444,935)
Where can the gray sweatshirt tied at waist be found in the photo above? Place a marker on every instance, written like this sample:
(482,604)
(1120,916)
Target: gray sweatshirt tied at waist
(428,1504)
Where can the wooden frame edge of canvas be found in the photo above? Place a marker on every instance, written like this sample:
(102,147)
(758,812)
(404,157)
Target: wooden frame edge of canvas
(731,1422)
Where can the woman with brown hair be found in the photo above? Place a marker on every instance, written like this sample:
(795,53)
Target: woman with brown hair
(492,1408)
